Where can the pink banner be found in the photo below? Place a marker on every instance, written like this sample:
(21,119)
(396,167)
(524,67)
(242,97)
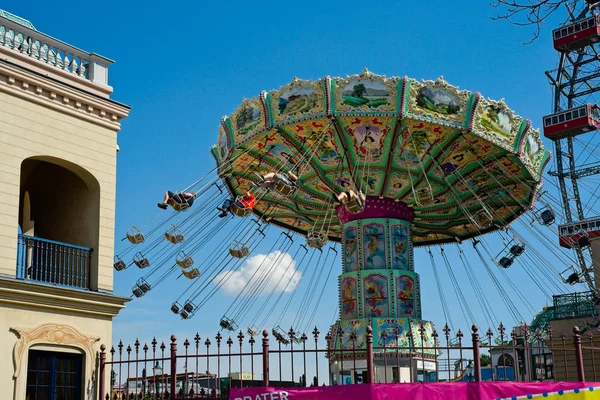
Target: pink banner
(429,391)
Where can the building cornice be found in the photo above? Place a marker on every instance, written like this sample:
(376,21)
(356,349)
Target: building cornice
(15,291)
(48,92)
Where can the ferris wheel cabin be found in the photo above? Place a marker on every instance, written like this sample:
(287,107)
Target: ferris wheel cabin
(578,234)
(577,35)
(571,122)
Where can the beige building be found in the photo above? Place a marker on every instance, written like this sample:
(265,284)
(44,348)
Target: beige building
(58,153)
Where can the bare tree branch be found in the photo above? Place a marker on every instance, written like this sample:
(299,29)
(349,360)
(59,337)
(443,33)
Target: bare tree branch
(530,12)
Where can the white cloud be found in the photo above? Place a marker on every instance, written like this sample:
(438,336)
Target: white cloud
(273,270)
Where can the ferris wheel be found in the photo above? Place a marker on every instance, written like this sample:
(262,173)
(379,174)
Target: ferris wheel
(572,127)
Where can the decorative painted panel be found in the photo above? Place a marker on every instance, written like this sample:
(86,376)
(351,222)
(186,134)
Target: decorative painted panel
(374,246)
(350,249)
(391,332)
(375,290)
(349,295)
(401,249)
(405,296)
(358,327)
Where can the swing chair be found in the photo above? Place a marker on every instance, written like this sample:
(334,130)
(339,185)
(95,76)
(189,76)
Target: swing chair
(482,218)
(505,262)
(355,204)
(175,307)
(137,292)
(573,278)
(184,261)
(424,196)
(283,188)
(119,264)
(238,210)
(316,240)
(238,250)
(546,216)
(228,324)
(174,235)
(179,207)
(191,274)
(143,285)
(189,306)
(135,236)
(280,335)
(517,249)
(184,314)
(141,261)
(252,330)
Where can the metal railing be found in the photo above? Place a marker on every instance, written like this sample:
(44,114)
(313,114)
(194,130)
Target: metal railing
(574,305)
(47,261)
(178,374)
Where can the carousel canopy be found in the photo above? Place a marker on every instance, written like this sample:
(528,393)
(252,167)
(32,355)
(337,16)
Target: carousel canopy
(466,165)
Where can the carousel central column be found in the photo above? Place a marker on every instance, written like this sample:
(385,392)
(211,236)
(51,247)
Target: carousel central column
(379,288)
(378,278)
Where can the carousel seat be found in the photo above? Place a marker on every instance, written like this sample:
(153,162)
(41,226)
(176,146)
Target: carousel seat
(252,330)
(184,261)
(119,264)
(228,324)
(240,211)
(140,261)
(316,240)
(191,274)
(283,188)
(180,206)
(175,308)
(239,250)
(135,236)
(174,236)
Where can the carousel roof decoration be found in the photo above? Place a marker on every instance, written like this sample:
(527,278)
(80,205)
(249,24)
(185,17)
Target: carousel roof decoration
(449,154)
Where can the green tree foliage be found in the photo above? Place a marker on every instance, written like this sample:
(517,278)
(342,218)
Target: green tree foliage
(485,360)
(359,91)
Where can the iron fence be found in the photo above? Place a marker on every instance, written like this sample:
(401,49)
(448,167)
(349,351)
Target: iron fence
(167,372)
(48,261)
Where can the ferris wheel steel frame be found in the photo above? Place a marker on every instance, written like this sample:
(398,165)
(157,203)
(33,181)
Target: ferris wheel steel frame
(568,86)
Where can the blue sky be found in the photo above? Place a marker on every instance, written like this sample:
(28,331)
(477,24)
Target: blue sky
(181,66)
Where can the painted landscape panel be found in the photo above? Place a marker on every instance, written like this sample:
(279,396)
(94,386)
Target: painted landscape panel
(364,92)
(439,100)
(297,100)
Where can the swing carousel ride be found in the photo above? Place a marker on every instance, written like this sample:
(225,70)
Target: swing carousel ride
(379,166)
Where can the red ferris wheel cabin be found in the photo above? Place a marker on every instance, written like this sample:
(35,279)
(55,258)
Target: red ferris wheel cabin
(578,234)
(577,35)
(571,122)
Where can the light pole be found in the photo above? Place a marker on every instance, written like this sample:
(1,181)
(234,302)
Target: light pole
(156,370)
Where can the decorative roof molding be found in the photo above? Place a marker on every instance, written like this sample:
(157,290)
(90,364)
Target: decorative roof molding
(37,89)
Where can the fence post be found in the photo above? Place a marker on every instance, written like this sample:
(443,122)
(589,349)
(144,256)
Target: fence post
(476,353)
(101,378)
(370,370)
(578,354)
(173,377)
(265,356)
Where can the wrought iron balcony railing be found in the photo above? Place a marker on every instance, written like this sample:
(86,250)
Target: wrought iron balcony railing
(47,261)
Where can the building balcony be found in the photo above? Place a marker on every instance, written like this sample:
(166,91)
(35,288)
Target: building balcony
(574,305)
(50,262)
(28,47)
